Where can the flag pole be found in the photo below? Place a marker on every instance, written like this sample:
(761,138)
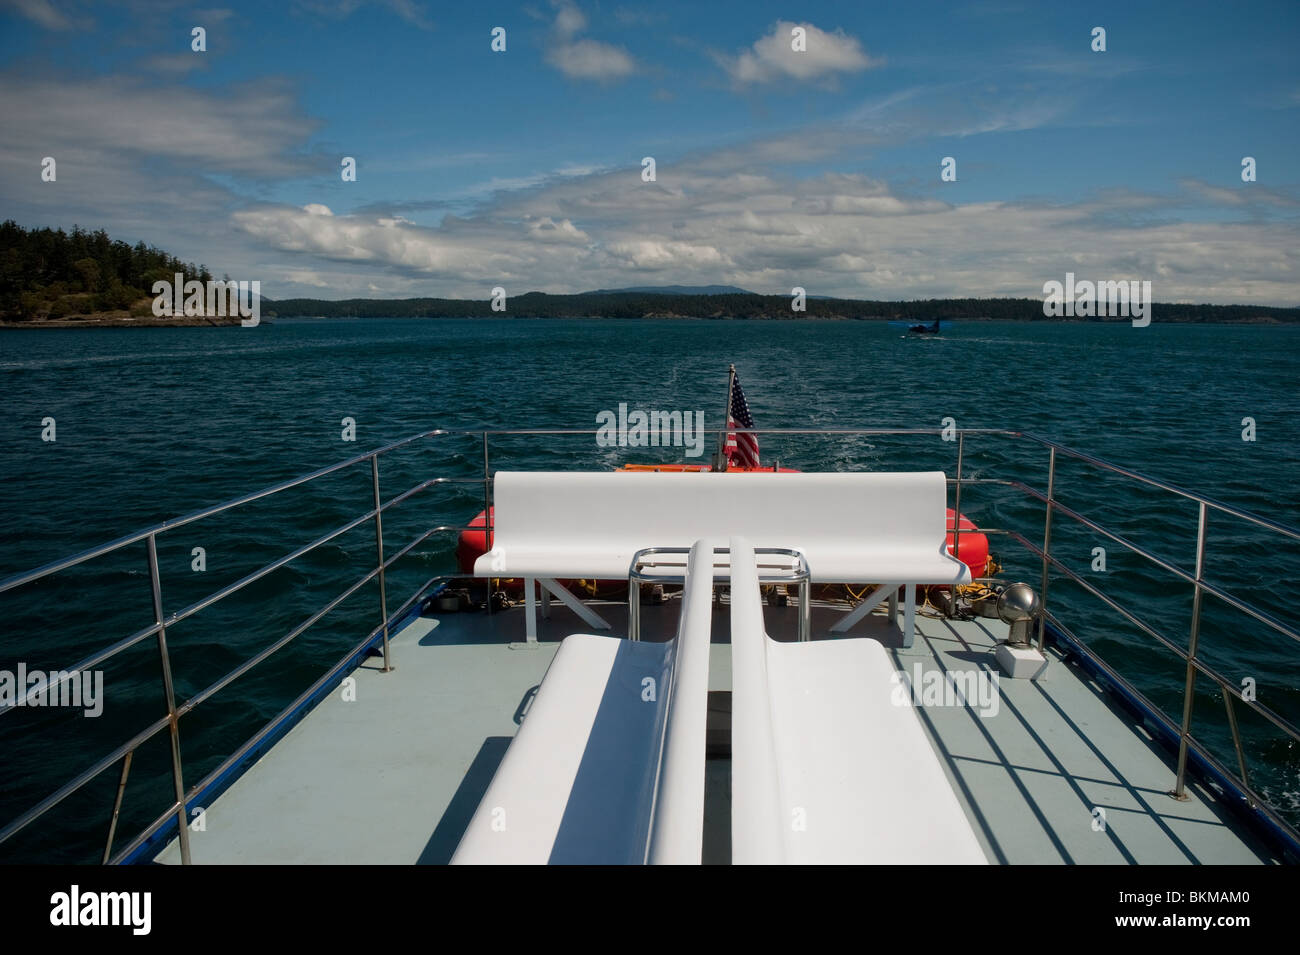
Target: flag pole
(720,462)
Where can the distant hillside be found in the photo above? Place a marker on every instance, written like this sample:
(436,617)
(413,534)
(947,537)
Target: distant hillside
(49,274)
(630,304)
(675,290)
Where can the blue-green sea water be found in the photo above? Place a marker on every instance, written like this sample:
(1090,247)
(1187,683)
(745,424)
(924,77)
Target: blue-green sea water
(154,423)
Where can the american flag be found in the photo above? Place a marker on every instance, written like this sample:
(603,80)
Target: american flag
(741,449)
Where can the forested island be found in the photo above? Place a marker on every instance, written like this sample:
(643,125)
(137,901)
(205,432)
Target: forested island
(50,278)
(645,304)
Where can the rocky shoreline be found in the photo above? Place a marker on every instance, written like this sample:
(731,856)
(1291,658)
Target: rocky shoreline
(124,320)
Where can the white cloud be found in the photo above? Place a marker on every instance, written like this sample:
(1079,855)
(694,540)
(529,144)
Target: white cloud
(249,130)
(1246,194)
(166,164)
(582,58)
(773,56)
(834,234)
(569,20)
(43,13)
(176,63)
(154,162)
(413,13)
(468,250)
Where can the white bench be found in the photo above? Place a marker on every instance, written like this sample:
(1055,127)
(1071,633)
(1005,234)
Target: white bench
(826,766)
(606,768)
(879,527)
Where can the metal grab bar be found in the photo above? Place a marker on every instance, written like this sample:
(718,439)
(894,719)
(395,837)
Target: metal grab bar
(637,575)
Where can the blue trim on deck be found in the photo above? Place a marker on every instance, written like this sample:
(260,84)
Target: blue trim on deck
(1235,797)
(146,851)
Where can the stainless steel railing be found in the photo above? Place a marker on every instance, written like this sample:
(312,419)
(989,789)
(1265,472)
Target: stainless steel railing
(769,573)
(163,622)
(175,710)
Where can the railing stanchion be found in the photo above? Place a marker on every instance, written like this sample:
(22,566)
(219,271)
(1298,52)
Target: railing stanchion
(1189,689)
(956,523)
(1236,742)
(805,609)
(117,807)
(169,695)
(489,525)
(379,548)
(633,605)
(1047,546)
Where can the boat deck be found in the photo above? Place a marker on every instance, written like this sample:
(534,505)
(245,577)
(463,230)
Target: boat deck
(395,775)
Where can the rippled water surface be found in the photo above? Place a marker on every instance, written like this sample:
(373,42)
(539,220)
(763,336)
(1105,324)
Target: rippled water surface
(155,423)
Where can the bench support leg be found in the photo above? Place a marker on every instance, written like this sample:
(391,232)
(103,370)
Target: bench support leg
(872,601)
(546,604)
(573,603)
(909,615)
(530,609)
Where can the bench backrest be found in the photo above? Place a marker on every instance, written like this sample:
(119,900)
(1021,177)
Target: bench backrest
(620,510)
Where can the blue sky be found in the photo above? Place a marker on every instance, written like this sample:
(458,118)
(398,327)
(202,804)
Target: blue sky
(774,167)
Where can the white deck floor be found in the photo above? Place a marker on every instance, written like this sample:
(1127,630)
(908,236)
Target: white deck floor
(394,776)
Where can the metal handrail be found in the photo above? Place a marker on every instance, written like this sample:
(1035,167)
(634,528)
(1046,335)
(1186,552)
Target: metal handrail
(19,580)
(1224,682)
(1269,524)
(1187,742)
(170,721)
(637,575)
(162,622)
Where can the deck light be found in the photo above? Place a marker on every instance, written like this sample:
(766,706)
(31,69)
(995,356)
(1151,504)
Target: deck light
(1019,606)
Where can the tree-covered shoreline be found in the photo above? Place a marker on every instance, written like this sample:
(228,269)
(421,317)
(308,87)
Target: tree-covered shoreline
(51,275)
(48,276)
(658,305)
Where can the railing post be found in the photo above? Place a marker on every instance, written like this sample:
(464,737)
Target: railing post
(117,806)
(1047,547)
(956,521)
(1236,742)
(1189,687)
(633,606)
(169,695)
(489,525)
(379,548)
(805,609)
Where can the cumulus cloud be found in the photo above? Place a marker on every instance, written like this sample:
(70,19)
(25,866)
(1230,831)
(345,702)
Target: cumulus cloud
(834,234)
(467,250)
(773,56)
(169,165)
(582,58)
(148,161)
